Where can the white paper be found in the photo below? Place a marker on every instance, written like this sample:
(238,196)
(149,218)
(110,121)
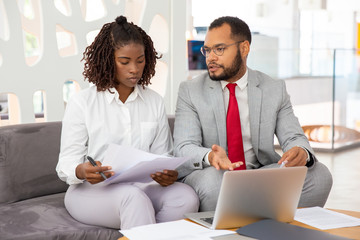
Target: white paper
(175,230)
(325,219)
(133,165)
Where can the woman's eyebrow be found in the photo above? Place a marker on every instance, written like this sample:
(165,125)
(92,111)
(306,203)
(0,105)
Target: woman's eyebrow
(143,55)
(123,57)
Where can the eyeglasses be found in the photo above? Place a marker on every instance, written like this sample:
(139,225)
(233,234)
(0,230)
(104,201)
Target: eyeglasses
(218,49)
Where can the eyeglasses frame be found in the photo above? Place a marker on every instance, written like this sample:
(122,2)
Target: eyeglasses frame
(205,54)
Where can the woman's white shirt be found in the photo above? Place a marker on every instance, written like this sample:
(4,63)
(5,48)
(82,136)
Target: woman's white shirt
(93,120)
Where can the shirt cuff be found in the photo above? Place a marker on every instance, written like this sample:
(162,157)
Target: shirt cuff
(206,159)
(307,152)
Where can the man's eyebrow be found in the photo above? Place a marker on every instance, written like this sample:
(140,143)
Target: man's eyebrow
(216,45)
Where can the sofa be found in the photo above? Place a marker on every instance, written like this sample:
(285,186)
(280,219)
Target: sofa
(31,194)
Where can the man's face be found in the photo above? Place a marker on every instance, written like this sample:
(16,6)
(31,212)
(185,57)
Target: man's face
(227,72)
(230,66)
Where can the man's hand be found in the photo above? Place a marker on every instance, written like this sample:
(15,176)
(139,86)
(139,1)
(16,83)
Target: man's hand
(91,174)
(219,160)
(296,156)
(165,178)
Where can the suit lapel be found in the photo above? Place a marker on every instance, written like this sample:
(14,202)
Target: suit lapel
(255,98)
(215,93)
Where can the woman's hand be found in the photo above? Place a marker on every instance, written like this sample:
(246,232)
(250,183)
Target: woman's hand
(92,174)
(165,178)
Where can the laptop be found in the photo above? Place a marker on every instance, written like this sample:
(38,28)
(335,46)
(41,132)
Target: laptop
(248,196)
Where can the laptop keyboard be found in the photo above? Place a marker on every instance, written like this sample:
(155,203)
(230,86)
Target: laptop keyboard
(208,220)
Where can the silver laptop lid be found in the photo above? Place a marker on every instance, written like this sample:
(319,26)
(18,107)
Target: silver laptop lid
(260,193)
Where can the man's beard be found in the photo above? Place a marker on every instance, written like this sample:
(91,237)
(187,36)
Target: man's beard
(229,72)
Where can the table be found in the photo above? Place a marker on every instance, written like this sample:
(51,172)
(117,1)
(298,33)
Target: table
(349,232)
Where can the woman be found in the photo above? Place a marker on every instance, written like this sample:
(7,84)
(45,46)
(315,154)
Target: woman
(120,109)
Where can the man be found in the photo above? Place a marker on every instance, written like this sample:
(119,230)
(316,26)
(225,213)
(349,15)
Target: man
(204,121)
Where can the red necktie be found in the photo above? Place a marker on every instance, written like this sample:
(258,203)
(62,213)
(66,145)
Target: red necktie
(233,130)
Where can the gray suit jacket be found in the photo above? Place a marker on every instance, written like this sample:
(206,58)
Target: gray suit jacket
(200,119)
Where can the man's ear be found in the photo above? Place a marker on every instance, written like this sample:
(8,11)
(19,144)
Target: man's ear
(244,48)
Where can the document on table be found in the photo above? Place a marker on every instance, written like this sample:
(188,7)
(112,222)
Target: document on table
(175,230)
(325,219)
(134,165)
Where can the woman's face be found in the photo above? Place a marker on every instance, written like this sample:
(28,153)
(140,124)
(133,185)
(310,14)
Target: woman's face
(130,63)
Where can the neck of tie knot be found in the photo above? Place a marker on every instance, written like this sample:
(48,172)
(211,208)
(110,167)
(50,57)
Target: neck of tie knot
(231,87)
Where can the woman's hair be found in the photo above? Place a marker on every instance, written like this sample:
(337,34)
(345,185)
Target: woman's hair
(99,67)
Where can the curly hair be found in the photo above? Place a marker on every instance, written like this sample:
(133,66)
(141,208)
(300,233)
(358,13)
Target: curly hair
(99,67)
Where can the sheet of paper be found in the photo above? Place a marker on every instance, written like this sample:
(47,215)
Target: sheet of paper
(175,230)
(133,165)
(325,219)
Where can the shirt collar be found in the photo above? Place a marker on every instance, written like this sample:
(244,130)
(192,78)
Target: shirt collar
(114,96)
(242,82)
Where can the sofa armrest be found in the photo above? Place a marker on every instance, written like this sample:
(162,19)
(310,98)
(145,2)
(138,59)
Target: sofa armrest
(28,157)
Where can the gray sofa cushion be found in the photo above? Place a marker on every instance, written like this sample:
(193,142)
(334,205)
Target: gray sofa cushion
(46,218)
(31,194)
(28,157)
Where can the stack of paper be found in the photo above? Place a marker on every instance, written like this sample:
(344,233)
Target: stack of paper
(325,219)
(175,230)
(133,165)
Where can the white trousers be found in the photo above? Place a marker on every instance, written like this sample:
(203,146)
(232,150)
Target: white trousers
(122,206)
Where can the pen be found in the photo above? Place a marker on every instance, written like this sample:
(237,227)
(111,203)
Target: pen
(94,164)
(283,164)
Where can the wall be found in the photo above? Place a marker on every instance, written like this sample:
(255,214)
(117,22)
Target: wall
(332,26)
(269,17)
(22,76)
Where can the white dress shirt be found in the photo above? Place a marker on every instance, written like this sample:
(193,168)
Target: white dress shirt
(93,120)
(242,100)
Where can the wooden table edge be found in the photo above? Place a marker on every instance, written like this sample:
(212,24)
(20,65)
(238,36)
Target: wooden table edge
(349,232)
